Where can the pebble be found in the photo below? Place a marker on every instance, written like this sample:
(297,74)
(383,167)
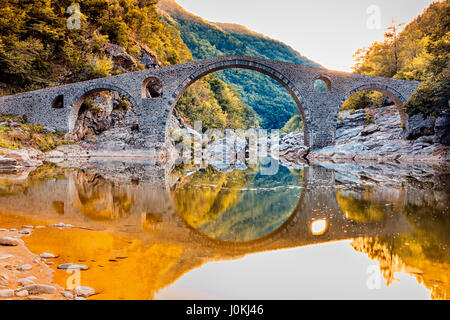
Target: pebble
(8,241)
(58,225)
(67,295)
(25,267)
(13,229)
(47,255)
(40,289)
(70,266)
(1,229)
(36,298)
(25,282)
(83,291)
(25,231)
(6,293)
(22,293)
(6,256)
(4,276)
(28,227)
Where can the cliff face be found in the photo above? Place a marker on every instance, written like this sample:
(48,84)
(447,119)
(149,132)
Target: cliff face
(375,134)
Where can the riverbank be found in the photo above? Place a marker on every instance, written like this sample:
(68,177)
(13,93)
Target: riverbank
(23,274)
(362,135)
(26,275)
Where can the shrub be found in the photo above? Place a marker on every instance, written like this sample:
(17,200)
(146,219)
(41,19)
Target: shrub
(98,68)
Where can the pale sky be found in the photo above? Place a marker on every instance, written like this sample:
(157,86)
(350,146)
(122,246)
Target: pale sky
(326,31)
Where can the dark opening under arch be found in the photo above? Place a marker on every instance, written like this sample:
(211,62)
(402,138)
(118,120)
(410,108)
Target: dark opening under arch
(58,102)
(152,88)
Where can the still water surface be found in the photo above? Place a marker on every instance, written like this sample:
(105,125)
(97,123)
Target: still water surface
(322,231)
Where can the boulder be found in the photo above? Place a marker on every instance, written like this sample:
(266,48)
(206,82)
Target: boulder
(73,266)
(25,267)
(420,126)
(148,58)
(8,162)
(8,241)
(370,129)
(22,293)
(120,57)
(47,255)
(39,289)
(442,128)
(6,293)
(67,295)
(83,291)
(25,282)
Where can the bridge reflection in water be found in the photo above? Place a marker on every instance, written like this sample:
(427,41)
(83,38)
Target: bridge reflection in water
(141,227)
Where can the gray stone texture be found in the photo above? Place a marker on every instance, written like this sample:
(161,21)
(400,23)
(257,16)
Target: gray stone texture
(318,109)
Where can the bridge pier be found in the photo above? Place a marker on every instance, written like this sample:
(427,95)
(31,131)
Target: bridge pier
(321,119)
(153,115)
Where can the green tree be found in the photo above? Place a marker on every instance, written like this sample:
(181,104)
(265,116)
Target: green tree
(420,52)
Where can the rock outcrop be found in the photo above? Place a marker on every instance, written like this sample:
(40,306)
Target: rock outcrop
(374,134)
(442,128)
(381,137)
(111,131)
(292,147)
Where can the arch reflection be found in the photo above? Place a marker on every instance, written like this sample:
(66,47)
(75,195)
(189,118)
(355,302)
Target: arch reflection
(238,207)
(99,199)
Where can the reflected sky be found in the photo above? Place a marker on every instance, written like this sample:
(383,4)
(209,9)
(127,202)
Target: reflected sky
(326,271)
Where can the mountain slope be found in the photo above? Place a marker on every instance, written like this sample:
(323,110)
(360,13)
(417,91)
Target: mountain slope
(206,39)
(37,49)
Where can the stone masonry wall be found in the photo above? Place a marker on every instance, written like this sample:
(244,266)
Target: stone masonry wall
(318,109)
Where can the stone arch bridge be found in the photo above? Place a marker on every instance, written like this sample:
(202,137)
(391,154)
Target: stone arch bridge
(58,107)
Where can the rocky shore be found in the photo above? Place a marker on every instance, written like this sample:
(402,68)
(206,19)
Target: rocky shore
(27,276)
(374,135)
(377,134)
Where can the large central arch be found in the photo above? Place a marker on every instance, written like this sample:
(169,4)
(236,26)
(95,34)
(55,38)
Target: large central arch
(249,65)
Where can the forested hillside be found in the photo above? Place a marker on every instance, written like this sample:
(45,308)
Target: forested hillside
(37,50)
(420,52)
(205,39)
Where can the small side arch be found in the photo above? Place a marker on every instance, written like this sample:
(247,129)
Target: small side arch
(392,93)
(325,79)
(78,99)
(58,102)
(152,88)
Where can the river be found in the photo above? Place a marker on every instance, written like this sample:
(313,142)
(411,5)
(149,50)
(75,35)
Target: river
(306,231)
